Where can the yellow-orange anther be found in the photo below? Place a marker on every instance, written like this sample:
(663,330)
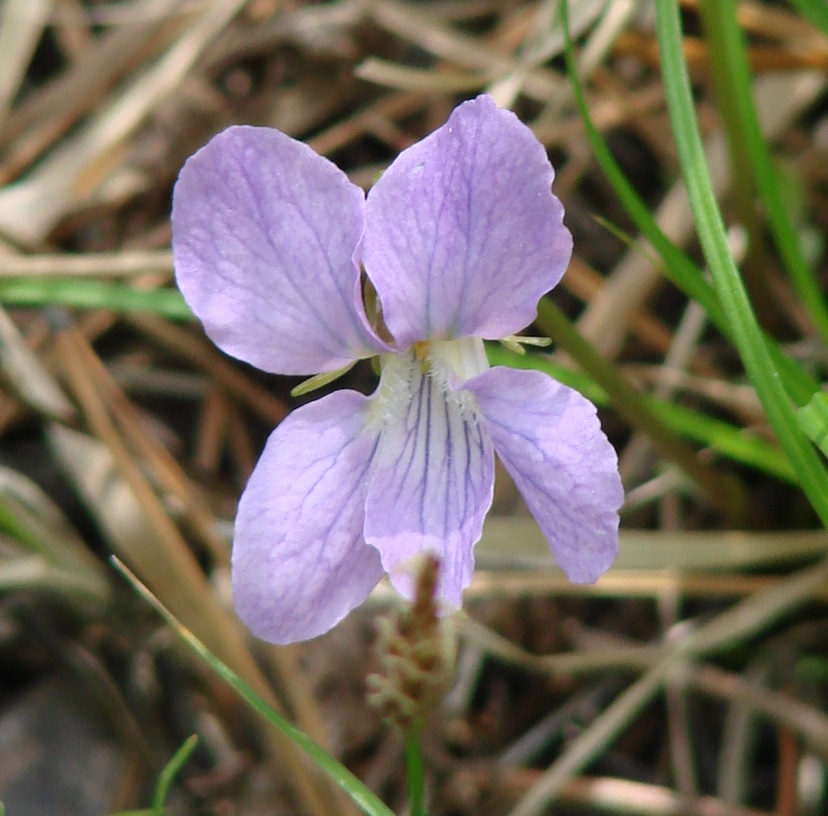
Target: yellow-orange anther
(422,349)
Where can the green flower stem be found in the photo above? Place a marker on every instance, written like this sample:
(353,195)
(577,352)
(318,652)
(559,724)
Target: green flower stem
(752,165)
(416,774)
(723,490)
(734,299)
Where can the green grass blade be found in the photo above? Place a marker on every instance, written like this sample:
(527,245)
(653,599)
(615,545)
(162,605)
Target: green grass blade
(814,420)
(170,771)
(360,794)
(748,145)
(89,294)
(719,436)
(723,490)
(141,812)
(746,333)
(678,267)
(815,11)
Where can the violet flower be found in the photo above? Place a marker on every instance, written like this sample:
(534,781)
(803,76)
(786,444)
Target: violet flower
(459,239)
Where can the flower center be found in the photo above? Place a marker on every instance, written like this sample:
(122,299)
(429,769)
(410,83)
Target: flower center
(421,349)
(447,364)
(457,360)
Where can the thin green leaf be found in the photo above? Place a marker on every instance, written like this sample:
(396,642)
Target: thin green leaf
(170,771)
(724,490)
(361,795)
(677,266)
(749,146)
(813,418)
(746,334)
(725,439)
(815,11)
(89,294)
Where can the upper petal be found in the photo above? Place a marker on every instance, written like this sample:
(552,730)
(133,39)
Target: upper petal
(549,439)
(264,237)
(431,486)
(462,232)
(300,562)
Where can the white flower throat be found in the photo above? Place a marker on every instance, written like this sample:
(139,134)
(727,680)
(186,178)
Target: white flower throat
(444,365)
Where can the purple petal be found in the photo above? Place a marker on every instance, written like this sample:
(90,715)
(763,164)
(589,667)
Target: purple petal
(264,237)
(433,479)
(300,562)
(549,439)
(462,232)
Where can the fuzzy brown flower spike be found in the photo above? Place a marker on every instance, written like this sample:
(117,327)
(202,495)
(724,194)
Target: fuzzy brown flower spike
(415,650)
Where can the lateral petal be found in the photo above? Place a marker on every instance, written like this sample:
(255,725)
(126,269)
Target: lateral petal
(462,232)
(265,234)
(549,439)
(432,481)
(300,562)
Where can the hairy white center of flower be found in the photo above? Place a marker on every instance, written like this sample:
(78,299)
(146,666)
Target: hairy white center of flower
(447,363)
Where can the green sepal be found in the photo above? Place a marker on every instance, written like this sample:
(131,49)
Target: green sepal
(320,380)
